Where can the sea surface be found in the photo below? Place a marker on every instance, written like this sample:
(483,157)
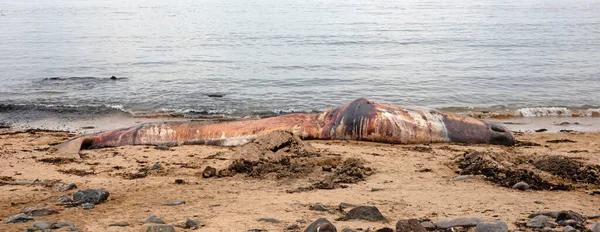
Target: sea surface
(245,58)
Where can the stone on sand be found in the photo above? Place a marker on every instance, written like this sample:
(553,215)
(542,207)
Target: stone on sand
(492,226)
(321,225)
(90,196)
(369,213)
(410,225)
(160,228)
(462,222)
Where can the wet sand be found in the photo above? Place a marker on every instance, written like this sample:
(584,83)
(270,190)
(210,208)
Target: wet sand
(412,181)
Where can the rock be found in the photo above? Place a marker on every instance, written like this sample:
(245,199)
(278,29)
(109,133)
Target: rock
(63,224)
(571,218)
(160,228)
(191,224)
(113,78)
(292,227)
(521,186)
(538,202)
(541,221)
(321,225)
(428,225)
(65,199)
(44,224)
(209,172)
(569,229)
(181,202)
(271,220)
(463,222)
(541,130)
(156,166)
(153,219)
(257,230)
(326,168)
(162,148)
(87,206)
(386,229)
(319,207)
(596,227)
(90,196)
(63,187)
(376,189)
(179,181)
(410,225)
(36,211)
(369,213)
(343,205)
(493,226)
(119,224)
(463,177)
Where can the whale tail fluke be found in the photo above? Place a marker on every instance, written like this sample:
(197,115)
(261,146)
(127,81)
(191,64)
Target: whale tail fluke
(69,148)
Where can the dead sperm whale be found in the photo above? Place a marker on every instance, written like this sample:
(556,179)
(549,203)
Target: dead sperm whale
(360,119)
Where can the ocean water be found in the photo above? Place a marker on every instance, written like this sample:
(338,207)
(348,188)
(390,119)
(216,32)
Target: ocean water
(280,56)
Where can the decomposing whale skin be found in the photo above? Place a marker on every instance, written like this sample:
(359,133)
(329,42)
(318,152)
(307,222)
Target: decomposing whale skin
(360,119)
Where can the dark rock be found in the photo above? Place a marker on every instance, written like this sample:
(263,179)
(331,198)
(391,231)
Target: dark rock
(87,206)
(569,222)
(293,227)
(369,213)
(428,225)
(214,95)
(153,219)
(37,211)
(569,229)
(64,199)
(181,202)
(376,189)
(521,186)
(541,130)
(113,78)
(271,220)
(541,221)
(326,168)
(410,225)
(19,218)
(90,196)
(179,181)
(257,230)
(463,177)
(63,187)
(493,226)
(386,229)
(566,216)
(156,166)
(209,172)
(538,202)
(321,225)
(596,227)
(192,224)
(463,222)
(319,207)
(160,228)
(119,224)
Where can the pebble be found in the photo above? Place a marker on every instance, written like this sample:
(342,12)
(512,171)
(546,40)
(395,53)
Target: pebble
(271,220)
(64,199)
(90,196)
(191,224)
(410,225)
(321,225)
(386,229)
(541,221)
(153,219)
(209,172)
(179,181)
(463,222)
(369,213)
(319,207)
(428,225)
(44,224)
(156,166)
(292,227)
(326,168)
(596,227)
(463,177)
(160,228)
(569,229)
(63,187)
(493,226)
(181,202)
(119,224)
(37,211)
(87,206)
(538,202)
(521,186)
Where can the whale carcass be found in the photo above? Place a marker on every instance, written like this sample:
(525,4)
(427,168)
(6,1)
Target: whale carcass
(360,119)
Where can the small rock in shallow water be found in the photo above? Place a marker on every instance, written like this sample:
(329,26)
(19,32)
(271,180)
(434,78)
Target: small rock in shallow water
(119,224)
(463,177)
(271,220)
(410,225)
(463,222)
(87,206)
(541,221)
(63,187)
(521,186)
(37,211)
(493,226)
(569,229)
(90,196)
(153,219)
(369,213)
(160,228)
(181,202)
(191,224)
(321,225)
(209,172)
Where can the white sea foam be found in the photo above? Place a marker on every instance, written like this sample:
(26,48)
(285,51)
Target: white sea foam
(543,111)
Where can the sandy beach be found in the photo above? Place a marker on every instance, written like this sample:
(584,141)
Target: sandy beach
(402,181)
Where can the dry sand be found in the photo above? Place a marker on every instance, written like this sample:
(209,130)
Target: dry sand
(414,181)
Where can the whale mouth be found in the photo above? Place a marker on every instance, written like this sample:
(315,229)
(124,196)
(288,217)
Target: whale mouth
(501,135)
